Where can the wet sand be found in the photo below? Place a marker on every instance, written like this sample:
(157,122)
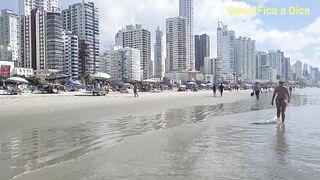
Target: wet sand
(30,111)
(229,147)
(206,139)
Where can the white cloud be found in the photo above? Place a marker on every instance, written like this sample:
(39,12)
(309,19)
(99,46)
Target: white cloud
(115,14)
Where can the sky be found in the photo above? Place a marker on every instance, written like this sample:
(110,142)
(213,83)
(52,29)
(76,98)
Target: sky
(298,36)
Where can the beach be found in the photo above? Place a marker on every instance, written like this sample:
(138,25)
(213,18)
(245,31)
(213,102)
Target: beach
(169,135)
(28,111)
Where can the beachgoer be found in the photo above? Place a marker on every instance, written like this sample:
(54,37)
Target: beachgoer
(221,87)
(214,88)
(257,91)
(282,99)
(135,90)
(290,89)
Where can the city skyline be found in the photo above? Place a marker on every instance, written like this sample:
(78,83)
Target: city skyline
(300,40)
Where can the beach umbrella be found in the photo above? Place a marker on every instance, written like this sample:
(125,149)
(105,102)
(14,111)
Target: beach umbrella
(56,77)
(17,80)
(76,82)
(149,81)
(100,75)
(191,83)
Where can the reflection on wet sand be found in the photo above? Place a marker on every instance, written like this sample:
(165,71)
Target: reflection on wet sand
(36,148)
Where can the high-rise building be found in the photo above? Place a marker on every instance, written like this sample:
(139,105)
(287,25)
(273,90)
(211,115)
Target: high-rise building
(40,35)
(186,11)
(245,59)
(105,62)
(125,64)
(285,68)
(202,50)
(226,51)
(82,19)
(70,54)
(54,41)
(159,64)
(298,70)
(176,49)
(305,70)
(139,38)
(26,6)
(274,58)
(261,60)
(269,73)
(9,34)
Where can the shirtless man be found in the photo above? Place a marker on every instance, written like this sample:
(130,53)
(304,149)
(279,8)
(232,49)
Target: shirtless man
(282,100)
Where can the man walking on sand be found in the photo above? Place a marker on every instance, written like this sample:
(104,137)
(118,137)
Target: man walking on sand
(214,88)
(221,88)
(135,90)
(282,100)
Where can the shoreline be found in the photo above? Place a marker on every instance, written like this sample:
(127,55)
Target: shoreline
(25,112)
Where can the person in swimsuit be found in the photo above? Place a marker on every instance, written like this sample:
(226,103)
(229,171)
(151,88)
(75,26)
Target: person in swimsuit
(257,90)
(282,100)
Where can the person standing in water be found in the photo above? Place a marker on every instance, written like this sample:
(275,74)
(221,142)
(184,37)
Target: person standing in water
(282,95)
(221,87)
(257,90)
(214,88)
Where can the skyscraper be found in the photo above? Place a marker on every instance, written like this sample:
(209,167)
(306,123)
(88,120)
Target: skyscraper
(82,19)
(245,59)
(26,6)
(9,33)
(226,51)
(55,45)
(71,54)
(285,68)
(298,70)
(176,45)
(186,11)
(139,38)
(34,32)
(202,50)
(159,64)
(261,61)
(125,64)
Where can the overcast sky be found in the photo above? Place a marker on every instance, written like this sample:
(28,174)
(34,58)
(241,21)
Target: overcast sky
(297,36)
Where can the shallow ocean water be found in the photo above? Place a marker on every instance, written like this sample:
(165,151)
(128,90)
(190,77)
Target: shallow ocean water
(224,141)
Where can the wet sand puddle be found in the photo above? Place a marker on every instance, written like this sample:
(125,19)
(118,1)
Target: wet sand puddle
(36,148)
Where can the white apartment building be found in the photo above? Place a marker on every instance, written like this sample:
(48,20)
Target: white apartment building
(139,38)
(105,62)
(70,54)
(125,64)
(226,51)
(176,49)
(269,73)
(245,59)
(82,19)
(9,35)
(159,62)
(274,60)
(298,70)
(186,11)
(26,6)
